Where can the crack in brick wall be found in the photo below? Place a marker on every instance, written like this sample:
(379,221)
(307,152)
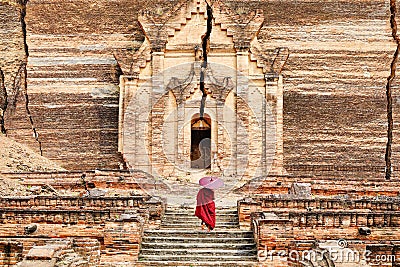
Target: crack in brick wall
(28,112)
(92,141)
(8,99)
(388,154)
(205,46)
(22,74)
(3,101)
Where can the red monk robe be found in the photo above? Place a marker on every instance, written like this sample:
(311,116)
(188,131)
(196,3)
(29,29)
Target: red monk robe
(205,209)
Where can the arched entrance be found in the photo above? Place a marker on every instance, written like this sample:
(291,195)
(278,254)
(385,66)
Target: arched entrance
(200,147)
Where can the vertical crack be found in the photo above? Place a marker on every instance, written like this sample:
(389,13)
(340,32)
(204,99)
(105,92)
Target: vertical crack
(3,102)
(205,46)
(8,99)
(388,154)
(28,112)
(23,24)
(22,79)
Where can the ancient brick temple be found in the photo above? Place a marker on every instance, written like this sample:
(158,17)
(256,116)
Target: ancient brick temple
(111,110)
(202,93)
(339,60)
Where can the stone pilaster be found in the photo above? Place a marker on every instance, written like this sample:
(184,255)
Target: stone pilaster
(241,141)
(273,141)
(142,107)
(156,120)
(127,116)
(220,147)
(279,127)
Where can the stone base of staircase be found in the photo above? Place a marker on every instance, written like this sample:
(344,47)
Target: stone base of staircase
(181,242)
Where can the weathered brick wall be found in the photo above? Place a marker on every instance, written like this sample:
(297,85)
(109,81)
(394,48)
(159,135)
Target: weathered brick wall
(12,61)
(351,185)
(122,242)
(125,183)
(62,252)
(77,210)
(334,96)
(12,48)
(10,252)
(276,235)
(73,79)
(101,228)
(334,100)
(283,206)
(290,224)
(89,248)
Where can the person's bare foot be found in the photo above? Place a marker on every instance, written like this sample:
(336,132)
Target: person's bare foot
(202,227)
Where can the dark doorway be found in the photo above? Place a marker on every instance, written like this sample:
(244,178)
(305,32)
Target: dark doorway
(200,152)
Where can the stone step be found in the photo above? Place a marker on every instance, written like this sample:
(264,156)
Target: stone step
(221,240)
(217,227)
(197,224)
(176,209)
(181,242)
(183,245)
(173,252)
(198,233)
(145,263)
(196,219)
(178,219)
(191,211)
(191,216)
(209,258)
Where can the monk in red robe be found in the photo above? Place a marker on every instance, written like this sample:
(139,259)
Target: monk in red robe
(205,209)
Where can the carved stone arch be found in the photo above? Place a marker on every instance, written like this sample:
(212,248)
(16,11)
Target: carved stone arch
(220,91)
(182,89)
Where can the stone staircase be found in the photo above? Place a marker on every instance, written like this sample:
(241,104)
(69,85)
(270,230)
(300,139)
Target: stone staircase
(181,242)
